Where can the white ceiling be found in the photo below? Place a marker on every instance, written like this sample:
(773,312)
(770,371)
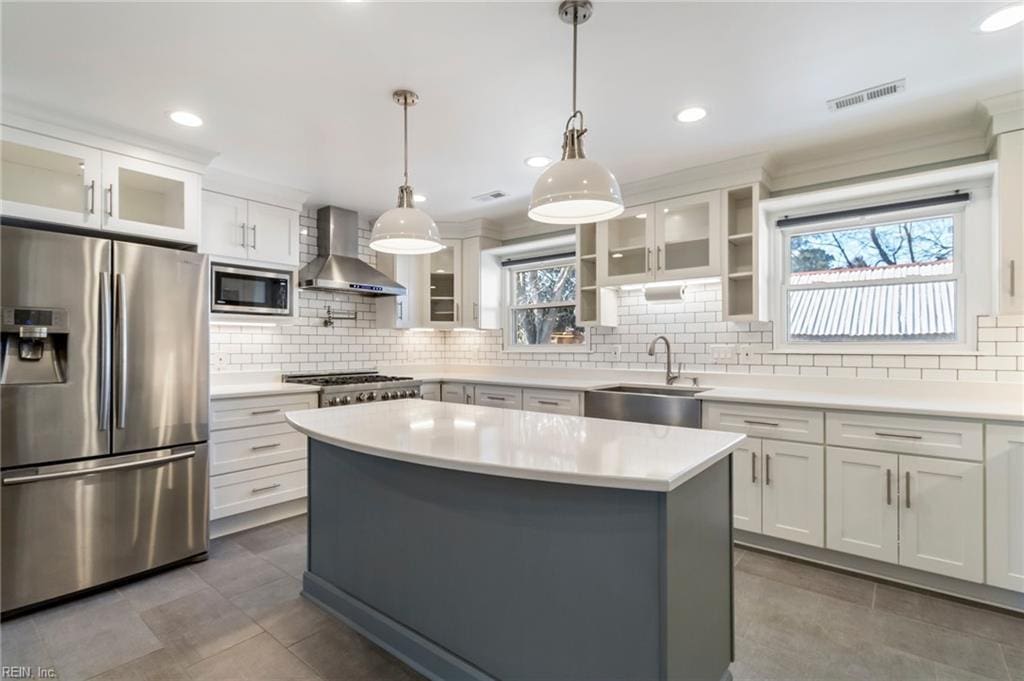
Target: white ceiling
(299,94)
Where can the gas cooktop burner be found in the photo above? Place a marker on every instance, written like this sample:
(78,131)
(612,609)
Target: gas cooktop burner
(343,379)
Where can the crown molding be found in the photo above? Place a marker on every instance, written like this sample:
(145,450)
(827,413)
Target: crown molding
(222,182)
(19,113)
(1006,112)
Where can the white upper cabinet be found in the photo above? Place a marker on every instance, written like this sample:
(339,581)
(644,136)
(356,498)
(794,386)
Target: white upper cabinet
(861,489)
(443,292)
(625,248)
(663,241)
(471,250)
(1004,506)
(224,225)
(687,237)
(273,234)
(239,229)
(148,199)
(50,180)
(942,516)
(407,311)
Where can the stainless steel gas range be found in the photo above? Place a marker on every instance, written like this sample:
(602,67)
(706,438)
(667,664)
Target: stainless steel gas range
(338,390)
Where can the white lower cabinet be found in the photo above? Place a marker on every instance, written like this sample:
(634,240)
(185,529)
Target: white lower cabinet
(942,516)
(564,402)
(256,458)
(862,503)
(747,473)
(457,392)
(793,503)
(1004,506)
(431,391)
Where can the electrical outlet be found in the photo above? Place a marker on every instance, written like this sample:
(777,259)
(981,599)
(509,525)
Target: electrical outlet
(722,353)
(616,352)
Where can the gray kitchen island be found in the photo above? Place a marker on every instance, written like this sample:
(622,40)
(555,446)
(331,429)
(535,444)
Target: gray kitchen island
(482,543)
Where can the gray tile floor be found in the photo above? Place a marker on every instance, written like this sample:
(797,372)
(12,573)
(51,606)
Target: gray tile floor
(239,616)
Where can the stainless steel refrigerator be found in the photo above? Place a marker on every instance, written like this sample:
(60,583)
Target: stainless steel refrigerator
(103,411)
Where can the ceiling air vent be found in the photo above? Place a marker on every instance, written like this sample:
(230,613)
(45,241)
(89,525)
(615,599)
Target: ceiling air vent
(490,196)
(868,95)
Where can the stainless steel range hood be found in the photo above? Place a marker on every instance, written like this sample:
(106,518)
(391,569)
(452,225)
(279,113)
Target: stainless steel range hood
(337,266)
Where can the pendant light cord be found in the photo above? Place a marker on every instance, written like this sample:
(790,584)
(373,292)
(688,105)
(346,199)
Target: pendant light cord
(405,136)
(575,26)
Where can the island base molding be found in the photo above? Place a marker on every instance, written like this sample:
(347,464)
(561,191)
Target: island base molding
(472,576)
(957,588)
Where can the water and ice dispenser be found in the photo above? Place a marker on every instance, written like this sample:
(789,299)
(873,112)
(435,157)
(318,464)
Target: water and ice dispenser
(33,345)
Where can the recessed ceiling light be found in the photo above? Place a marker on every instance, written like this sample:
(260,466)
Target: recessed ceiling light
(691,115)
(537,161)
(186,118)
(1003,18)
(419,198)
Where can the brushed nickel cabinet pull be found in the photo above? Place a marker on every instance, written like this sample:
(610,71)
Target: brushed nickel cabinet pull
(258,412)
(256,448)
(767,469)
(476,311)
(92,197)
(550,403)
(753,467)
(1013,278)
(908,489)
(254,237)
(648,260)
(888,487)
(901,436)
(110,200)
(495,399)
(265,488)
(657,260)
(469,399)
(245,243)
(761,423)
(401,310)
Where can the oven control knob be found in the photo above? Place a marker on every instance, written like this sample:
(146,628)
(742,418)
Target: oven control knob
(385,396)
(395,395)
(332,402)
(415,392)
(345,400)
(370,397)
(361,397)
(403,393)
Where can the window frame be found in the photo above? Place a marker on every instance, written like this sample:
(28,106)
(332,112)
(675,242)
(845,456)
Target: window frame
(972,261)
(508,335)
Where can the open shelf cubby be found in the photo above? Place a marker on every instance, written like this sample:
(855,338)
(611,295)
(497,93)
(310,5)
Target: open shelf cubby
(741,251)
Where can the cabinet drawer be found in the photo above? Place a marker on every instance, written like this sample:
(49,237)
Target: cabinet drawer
(237,449)
(497,396)
(236,412)
(906,434)
(233,493)
(552,401)
(781,423)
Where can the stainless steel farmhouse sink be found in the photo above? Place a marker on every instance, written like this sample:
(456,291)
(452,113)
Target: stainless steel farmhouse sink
(663,405)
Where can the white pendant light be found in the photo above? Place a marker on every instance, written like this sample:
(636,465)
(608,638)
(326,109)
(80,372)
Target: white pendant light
(405,230)
(575,189)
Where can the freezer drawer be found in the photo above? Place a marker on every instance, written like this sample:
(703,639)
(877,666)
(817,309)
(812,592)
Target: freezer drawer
(73,526)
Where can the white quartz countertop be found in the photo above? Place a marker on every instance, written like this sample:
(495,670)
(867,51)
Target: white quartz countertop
(934,404)
(521,444)
(923,398)
(256,389)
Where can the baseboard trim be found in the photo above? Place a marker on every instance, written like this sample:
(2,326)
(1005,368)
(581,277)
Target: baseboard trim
(231,524)
(418,652)
(982,594)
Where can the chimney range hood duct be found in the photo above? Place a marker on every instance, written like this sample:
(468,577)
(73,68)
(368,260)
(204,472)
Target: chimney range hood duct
(337,266)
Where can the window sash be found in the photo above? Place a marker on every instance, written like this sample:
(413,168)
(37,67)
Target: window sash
(512,308)
(957,275)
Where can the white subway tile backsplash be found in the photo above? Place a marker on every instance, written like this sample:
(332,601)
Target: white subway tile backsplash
(694,325)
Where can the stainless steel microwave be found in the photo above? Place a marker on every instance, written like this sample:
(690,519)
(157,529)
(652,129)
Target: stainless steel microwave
(245,290)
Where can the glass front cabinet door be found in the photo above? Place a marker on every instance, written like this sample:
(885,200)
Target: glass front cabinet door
(150,199)
(49,180)
(687,236)
(625,247)
(445,285)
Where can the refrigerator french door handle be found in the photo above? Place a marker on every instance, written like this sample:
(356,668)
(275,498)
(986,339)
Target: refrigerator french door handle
(122,353)
(39,477)
(105,339)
